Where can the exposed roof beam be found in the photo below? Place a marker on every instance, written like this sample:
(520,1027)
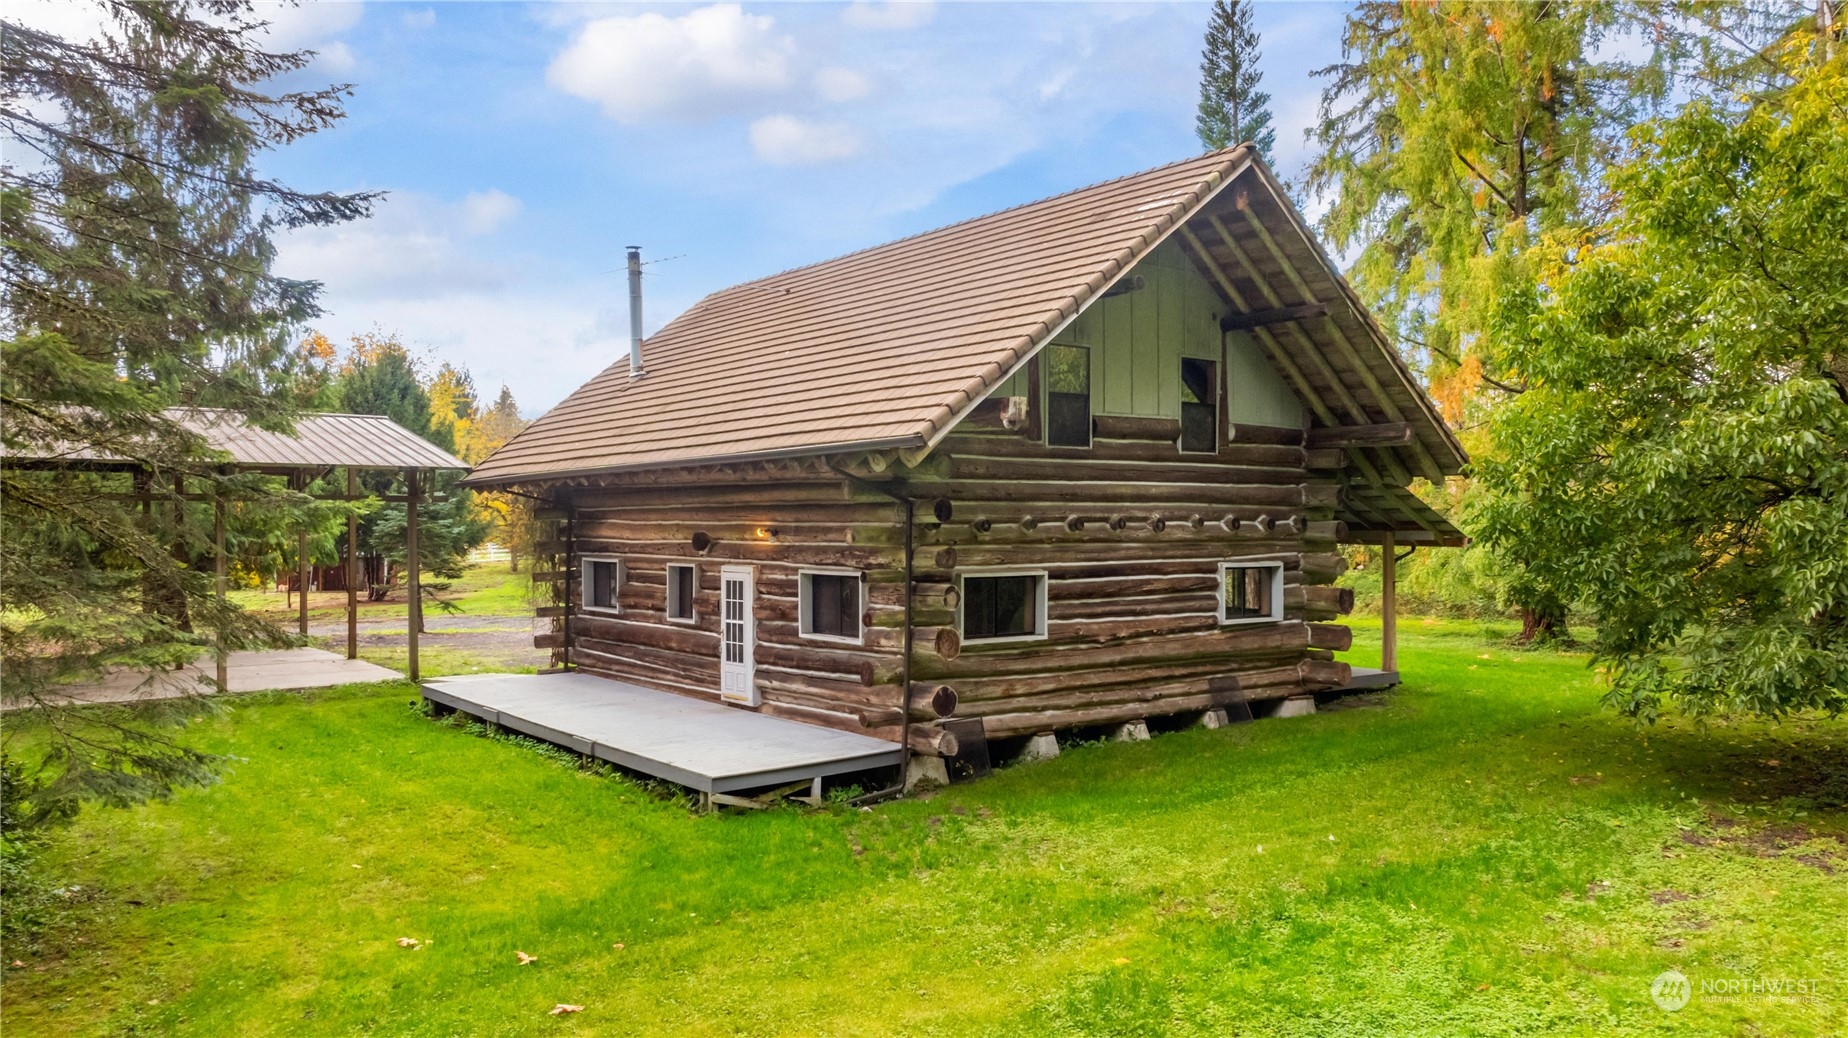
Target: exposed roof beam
(1385,434)
(1265,318)
(1425,461)
(1312,399)
(1357,414)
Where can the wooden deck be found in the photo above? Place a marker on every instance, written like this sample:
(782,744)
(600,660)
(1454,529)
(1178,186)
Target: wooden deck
(693,742)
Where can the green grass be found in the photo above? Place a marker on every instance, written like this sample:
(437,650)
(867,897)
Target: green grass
(1505,860)
(486,590)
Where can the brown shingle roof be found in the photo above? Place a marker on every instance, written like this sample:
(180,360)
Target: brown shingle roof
(883,347)
(890,346)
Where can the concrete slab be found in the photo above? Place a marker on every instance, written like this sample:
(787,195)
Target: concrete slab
(272,671)
(1296,706)
(694,742)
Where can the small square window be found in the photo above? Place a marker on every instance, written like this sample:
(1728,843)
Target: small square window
(1004,606)
(1068,396)
(831,606)
(681,582)
(602,580)
(1250,592)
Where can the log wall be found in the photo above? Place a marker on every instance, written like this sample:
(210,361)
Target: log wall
(1130,532)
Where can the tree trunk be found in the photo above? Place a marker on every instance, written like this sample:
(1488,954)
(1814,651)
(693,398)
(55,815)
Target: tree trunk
(1543,624)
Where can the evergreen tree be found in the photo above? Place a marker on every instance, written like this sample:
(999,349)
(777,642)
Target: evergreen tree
(137,250)
(381,377)
(1232,109)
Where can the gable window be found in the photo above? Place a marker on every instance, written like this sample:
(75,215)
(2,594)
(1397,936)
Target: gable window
(830,604)
(680,584)
(1068,396)
(1003,605)
(602,579)
(1250,592)
(1199,406)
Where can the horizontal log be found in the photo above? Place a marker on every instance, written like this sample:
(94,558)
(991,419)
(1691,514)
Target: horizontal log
(934,741)
(997,726)
(1042,657)
(1146,496)
(1106,680)
(1129,427)
(1325,459)
(1152,472)
(1335,637)
(1194,603)
(1322,567)
(1318,602)
(548,641)
(1260,455)
(1326,530)
(1384,434)
(1267,434)
(1320,674)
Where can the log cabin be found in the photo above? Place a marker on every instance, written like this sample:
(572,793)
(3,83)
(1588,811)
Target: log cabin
(1084,462)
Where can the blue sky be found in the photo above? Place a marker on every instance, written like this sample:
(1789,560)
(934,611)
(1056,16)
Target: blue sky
(524,145)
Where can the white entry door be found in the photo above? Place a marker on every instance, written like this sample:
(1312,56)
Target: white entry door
(737,636)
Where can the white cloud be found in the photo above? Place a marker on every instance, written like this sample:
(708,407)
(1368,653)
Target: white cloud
(889,14)
(838,85)
(483,212)
(784,140)
(408,250)
(419,19)
(703,64)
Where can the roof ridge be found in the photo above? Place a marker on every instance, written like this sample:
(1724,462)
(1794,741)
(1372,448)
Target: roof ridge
(1226,153)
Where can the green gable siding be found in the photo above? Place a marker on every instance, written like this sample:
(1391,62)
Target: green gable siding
(1137,340)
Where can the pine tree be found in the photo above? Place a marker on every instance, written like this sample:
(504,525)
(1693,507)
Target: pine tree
(137,244)
(1232,108)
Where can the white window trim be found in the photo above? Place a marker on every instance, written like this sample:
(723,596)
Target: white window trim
(802,604)
(667,600)
(584,582)
(1042,622)
(1276,569)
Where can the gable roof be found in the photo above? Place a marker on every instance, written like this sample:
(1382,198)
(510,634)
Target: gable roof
(889,347)
(320,440)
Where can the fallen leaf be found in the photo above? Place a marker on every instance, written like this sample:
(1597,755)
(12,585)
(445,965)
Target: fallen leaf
(356,866)
(525,958)
(1482,987)
(562,1008)
(617,946)
(408,942)
(1772,763)
(1122,962)
(18,965)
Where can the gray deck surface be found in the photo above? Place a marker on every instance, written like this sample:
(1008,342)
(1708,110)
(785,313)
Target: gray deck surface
(700,744)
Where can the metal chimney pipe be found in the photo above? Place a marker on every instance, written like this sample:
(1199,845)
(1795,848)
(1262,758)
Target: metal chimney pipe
(635,311)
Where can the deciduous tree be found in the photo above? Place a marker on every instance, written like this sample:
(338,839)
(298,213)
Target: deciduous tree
(1679,459)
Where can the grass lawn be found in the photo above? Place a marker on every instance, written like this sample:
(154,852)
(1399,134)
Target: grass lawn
(486,590)
(1484,853)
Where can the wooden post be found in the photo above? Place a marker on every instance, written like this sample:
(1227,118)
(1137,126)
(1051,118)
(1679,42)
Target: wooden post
(301,577)
(352,567)
(218,567)
(414,611)
(1389,605)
